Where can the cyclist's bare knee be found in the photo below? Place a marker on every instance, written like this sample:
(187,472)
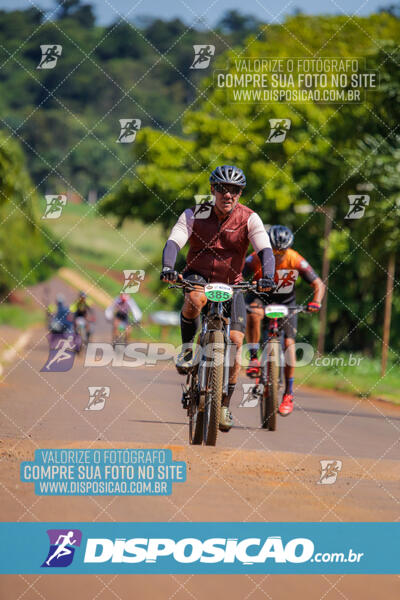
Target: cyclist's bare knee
(289,342)
(237,338)
(255,311)
(194,302)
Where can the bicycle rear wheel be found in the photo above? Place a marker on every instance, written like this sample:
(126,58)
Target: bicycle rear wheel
(269,400)
(215,376)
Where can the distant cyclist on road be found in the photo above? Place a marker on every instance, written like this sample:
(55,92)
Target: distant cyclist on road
(60,318)
(124,309)
(82,307)
(289,264)
(217,251)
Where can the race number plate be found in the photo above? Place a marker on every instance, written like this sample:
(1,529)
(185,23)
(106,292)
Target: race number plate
(218,292)
(276,311)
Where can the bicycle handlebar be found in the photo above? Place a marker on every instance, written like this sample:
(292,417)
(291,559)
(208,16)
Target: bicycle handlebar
(298,308)
(191,285)
(243,286)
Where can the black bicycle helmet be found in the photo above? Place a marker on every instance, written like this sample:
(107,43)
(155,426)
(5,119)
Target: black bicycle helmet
(281,237)
(228,174)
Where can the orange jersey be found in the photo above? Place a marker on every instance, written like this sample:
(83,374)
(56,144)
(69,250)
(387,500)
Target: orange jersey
(288,267)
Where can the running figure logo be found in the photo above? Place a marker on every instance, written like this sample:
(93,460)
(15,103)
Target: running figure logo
(204,206)
(50,55)
(63,543)
(97,397)
(132,282)
(251,394)
(202,56)
(329,471)
(54,206)
(357,206)
(61,358)
(129,128)
(279,129)
(286,281)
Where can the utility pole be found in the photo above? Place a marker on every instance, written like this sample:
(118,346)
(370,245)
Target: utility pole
(329,212)
(388,312)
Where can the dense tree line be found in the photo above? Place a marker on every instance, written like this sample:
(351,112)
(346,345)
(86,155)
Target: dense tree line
(67,118)
(331,151)
(67,121)
(28,250)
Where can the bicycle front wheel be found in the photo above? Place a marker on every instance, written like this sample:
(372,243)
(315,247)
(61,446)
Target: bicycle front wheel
(215,377)
(269,401)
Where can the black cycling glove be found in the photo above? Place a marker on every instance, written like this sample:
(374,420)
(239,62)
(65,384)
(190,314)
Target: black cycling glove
(168,274)
(265,282)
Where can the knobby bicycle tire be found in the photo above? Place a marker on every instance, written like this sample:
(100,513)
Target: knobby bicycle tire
(269,401)
(215,379)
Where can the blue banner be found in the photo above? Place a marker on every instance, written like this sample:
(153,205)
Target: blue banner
(208,548)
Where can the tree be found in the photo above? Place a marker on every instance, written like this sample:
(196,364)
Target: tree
(74,9)
(29,252)
(308,168)
(391,9)
(235,22)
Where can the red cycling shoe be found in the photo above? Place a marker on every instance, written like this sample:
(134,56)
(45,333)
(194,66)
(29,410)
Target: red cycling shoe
(286,406)
(253,370)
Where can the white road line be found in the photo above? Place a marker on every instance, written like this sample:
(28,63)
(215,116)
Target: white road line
(11,353)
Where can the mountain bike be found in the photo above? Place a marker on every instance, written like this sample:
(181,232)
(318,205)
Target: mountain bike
(83,329)
(122,332)
(271,376)
(81,332)
(207,380)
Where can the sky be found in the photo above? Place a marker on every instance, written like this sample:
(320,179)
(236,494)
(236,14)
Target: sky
(107,11)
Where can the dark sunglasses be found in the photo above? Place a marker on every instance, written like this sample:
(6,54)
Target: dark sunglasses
(226,188)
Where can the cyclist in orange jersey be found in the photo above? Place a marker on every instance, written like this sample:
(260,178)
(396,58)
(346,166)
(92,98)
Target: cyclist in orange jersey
(289,264)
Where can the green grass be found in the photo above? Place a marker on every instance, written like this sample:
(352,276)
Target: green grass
(90,241)
(90,238)
(363,379)
(19,317)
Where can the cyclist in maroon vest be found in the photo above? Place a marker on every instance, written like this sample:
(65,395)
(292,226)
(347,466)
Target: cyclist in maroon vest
(218,242)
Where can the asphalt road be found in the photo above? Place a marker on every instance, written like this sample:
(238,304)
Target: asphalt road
(251,475)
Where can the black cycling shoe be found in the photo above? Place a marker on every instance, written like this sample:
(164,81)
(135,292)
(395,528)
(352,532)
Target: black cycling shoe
(184,362)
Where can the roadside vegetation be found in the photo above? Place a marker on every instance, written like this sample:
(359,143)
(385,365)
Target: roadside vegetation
(64,142)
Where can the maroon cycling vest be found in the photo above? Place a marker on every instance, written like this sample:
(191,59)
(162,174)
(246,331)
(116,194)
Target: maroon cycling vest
(217,249)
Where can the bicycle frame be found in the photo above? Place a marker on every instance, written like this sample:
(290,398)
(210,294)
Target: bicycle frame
(273,330)
(206,381)
(215,320)
(272,363)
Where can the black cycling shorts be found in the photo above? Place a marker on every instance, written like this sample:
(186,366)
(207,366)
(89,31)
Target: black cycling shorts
(234,308)
(122,316)
(288,325)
